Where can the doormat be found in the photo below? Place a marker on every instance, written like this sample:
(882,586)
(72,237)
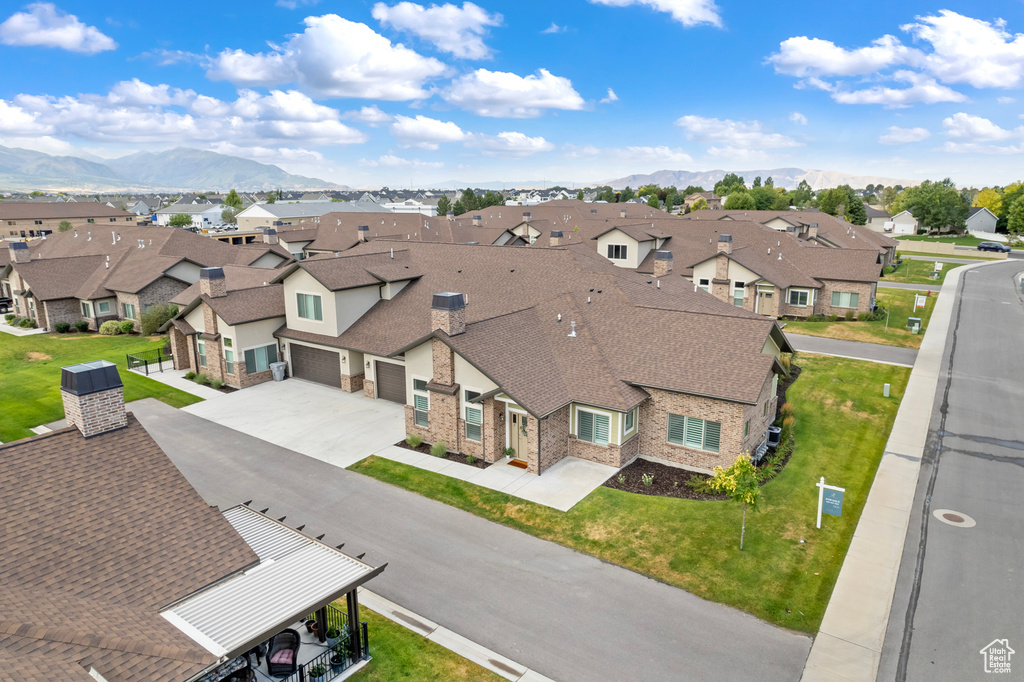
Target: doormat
(519,463)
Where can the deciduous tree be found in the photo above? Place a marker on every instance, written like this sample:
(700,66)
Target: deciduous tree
(739,481)
(740,201)
(233,200)
(64,226)
(937,205)
(180,220)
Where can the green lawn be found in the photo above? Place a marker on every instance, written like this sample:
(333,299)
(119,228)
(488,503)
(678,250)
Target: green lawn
(959,241)
(918,272)
(401,654)
(787,570)
(899,302)
(30,376)
(961,255)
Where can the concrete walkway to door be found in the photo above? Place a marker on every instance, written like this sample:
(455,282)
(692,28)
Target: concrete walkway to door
(319,421)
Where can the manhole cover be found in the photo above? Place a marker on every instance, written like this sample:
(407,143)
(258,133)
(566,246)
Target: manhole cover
(954,518)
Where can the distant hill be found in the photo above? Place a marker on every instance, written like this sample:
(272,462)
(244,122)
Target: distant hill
(176,169)
(782,177)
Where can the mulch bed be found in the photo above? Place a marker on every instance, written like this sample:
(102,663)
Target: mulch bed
(451,456)
(668,481)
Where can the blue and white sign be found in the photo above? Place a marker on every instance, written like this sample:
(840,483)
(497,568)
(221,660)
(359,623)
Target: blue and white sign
(830,499)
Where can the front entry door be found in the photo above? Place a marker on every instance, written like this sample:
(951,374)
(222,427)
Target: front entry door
(517,434)
(766,303)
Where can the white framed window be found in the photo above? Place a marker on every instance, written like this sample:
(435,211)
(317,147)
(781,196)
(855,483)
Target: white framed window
(103,307)
(739,291)
(845,299)
(474,415)
(202,354)
(86,309)
(128,311)
(704,284)
(592,427)
(799,297)
(259,359)
(617,251)
(691,432)
(229,361)
(629,421)
(420,402)
(310,307)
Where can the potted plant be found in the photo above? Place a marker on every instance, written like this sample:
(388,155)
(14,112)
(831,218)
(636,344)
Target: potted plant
(337,659)
(317,672)
(510,452)
(310,625)
(333,635)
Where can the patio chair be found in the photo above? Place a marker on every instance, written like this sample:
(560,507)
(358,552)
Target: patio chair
(283,654)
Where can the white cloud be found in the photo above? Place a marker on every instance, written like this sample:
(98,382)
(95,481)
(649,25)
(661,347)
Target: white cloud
(976,129)
(392,161)
(554,28)
(502,94)
(732,134)
(40,143)
(371,115)
(425,133)
(43,25)
(138,93)
(972,51)
(295,4)
(632,155)
(897,135)
(15,120)
(923,89)
(686,12)
(802,57)
(458,31)
(798,118)
(168,57)
(1006,100)
(273,155)
(333,57)
(610,97)
(509,144)
(975,148)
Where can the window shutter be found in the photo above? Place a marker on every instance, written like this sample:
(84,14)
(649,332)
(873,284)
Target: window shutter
(586,426)
(676,429)
(694,432)
(712,436)
(601,429)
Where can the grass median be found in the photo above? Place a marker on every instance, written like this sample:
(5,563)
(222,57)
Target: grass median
(30,376)
(890,332)
(913,271)
(787,570)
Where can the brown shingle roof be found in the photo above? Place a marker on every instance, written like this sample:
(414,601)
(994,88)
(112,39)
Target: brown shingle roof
(24,210)
(99,535)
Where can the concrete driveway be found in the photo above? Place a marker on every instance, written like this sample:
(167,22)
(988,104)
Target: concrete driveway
(322,422)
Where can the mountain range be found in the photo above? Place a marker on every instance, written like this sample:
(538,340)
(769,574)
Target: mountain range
(788,178)
(174,169)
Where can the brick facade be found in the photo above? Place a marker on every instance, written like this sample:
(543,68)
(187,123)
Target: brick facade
(97,412)
(368,388)
(351,384)
(179,343)
(62,310)
(554,437)
(760,416)
(825,296)
(653,436)
(494,429)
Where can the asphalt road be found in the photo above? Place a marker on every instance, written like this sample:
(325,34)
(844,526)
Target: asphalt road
(564,614)
(960,588)
(875,352)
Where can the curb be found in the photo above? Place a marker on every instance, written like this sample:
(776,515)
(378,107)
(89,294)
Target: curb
(452,641)
(848,647)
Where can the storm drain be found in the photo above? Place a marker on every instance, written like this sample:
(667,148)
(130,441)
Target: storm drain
(954,518)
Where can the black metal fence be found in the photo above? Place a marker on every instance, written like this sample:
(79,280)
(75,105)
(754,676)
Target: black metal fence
(333,662)
(150,359)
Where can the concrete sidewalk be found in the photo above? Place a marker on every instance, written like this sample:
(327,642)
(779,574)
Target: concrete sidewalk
(849,644)
(176,379)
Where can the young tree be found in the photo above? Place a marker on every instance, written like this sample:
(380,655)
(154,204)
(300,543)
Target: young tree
(64,226)
(180,220)
(699,204)
(739,482)
(155,317)
(444,204)
(233,200)
(579,195)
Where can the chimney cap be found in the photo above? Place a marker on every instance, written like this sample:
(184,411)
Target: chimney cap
(18,246)
(89,377)
(814,224)
(448,300)
(662,255)
(450,213)
(363,228)
(556,234)
(211,273)
(478,217)
(725,237)
(269,230)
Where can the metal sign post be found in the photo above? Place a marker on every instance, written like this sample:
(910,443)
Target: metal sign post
(830,499)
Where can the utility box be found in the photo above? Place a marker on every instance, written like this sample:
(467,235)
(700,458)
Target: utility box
(914,324)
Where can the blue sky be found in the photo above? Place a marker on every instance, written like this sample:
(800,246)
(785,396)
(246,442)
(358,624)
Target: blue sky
(400,93)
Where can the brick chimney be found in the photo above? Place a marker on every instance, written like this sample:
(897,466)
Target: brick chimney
(93,397)
(448,313)
(269,235)
(211,282)
(362,232)
(478,221)
(812,231)
(725,244)
(622,213)
(662,263)
(526,216)
(451,215)
(556,237)
(19,252)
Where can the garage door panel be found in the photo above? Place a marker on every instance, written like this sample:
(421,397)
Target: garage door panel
(391,382)
(316,364)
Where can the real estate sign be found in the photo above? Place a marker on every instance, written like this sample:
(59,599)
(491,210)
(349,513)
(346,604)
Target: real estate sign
(830,499)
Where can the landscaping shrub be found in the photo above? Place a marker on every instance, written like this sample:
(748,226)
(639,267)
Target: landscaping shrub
(439,449)
(832,318)
(413,440)
(62,327)
(647,479)
(786,410)
(470,459)
(850,315)
(216,383)
(190,376)
(888,270)
(863,317)
(127,326)
(82,326)
(27,323)
(203,379)
(110,328)
(155,317)
(10,317)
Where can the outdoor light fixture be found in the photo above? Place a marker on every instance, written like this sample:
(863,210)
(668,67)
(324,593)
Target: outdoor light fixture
(367,364)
